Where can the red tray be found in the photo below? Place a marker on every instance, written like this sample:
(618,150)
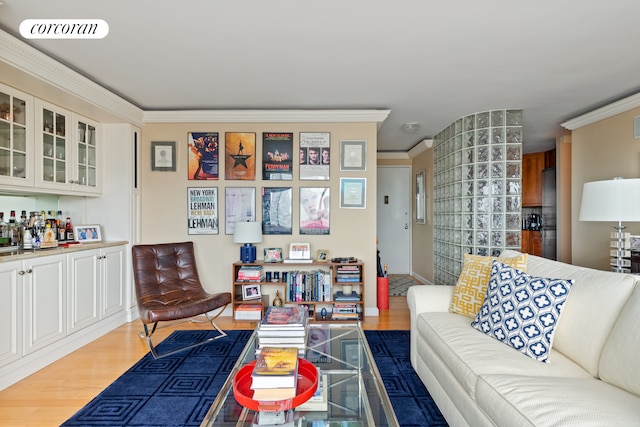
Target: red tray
(306,387)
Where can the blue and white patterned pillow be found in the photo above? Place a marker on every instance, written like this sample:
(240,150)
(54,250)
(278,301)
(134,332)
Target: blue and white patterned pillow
(522,311)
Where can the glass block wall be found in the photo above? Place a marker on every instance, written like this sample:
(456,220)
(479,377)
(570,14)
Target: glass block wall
(477,189)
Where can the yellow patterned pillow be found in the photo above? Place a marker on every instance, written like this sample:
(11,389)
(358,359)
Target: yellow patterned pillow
(471,288)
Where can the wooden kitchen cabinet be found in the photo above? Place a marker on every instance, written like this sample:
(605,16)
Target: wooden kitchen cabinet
(531,242)
(532,166)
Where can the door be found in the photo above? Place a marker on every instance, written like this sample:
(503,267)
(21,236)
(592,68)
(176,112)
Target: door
(394,217)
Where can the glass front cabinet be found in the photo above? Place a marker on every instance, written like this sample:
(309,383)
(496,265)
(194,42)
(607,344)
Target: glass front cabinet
(16,137)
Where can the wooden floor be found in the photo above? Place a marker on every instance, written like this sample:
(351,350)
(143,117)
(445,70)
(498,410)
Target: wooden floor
(53,394)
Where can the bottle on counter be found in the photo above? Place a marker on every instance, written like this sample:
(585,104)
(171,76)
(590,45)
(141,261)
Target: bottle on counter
(4,231)
(62,232)
(14,234)
(27,240)
(69,230)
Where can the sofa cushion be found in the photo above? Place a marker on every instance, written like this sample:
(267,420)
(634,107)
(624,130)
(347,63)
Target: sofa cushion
(465,351)
(620,361)
(522,311)
(471,287)
(595,293)
(518,400)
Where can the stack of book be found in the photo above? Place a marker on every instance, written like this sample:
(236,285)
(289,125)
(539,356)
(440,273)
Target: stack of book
(319,401)
(348,274)
(250,273)
(345,311)
(247,311)
(275,374)
(283,327)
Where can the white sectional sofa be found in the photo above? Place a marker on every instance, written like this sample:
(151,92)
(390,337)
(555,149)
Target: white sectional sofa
(593,374)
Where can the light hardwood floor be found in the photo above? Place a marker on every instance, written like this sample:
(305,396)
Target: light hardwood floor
(53,394)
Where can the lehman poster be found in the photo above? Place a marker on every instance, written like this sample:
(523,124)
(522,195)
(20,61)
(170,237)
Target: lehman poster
(203,210)
(276,156)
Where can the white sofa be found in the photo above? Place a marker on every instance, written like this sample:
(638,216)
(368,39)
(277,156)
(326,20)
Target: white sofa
(593,374)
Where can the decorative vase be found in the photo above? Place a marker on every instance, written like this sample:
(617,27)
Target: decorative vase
(277,301)
(323,312)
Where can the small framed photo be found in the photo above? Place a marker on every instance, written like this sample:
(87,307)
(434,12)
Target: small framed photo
(250,292)
(300,251)
(272,254)
(87,233)
(323,255)
(163,156)
(353,193)
(353,155)
(634,243)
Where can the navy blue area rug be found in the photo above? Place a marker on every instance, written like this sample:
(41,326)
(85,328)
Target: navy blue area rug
(178,390)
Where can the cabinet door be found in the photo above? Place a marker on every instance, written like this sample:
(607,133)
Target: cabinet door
(16,137)
(113,267)
(53,165)
(44,300)
(532,165)
(10,312)
(84,289)
(87,155)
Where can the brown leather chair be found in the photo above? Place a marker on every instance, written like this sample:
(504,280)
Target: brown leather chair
(168,288)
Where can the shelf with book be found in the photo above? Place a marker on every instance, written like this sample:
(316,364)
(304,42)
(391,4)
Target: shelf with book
(316,285)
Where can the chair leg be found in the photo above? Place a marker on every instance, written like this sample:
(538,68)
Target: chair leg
(146,334)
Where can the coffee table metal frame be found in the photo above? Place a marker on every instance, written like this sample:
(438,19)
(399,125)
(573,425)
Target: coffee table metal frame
(357,396)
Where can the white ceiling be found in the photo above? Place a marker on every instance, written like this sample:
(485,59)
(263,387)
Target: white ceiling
(428,61)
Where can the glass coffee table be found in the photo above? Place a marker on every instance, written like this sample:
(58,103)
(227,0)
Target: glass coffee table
(355,393)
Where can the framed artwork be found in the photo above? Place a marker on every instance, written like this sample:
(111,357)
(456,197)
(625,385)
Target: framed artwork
(319,344)
(353,155)
(352,354)
(420,198)
(634,243)
(353,193)
(277,160)
(87,233)
(240,206)
(314,148)
(323,255)
(202,210)
(163,156)
(272,254)
(276,210)
(299,251)
(315,209)
(240,156)
(204,157)
(251,291)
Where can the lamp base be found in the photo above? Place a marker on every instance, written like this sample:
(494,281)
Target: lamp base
(248,253)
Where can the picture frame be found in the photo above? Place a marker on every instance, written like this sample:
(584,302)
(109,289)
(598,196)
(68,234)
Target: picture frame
(272,254)
(353,193)
(251,292)
(87,233)
(276,210)
(319,344)
(203,155)
(315,210)
(352,354)
(315,156)
(202,210)
(353,155)
(634,243)
(163,156)
(420,198)
(323,255)
(300,251)
(240,206)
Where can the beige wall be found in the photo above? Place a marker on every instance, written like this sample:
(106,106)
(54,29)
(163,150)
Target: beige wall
(164,198)
(422,237)
(601,151)
(563,197)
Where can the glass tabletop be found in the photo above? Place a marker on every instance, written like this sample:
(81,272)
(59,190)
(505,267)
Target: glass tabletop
(355,393)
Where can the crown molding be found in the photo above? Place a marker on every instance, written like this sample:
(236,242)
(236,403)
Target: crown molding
(35,63)
(615,108)
(420,147)
(392,155)
(267,116)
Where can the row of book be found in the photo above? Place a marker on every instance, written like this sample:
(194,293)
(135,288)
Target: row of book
(250,273)
(312,285)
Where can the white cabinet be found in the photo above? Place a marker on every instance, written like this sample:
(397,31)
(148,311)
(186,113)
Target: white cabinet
(86,154)
(113,265)
(16,137)
(10,312)
(44,303)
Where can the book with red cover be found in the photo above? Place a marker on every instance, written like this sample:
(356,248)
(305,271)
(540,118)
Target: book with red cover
(289,317)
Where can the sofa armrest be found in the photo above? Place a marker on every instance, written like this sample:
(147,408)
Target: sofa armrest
(423,299)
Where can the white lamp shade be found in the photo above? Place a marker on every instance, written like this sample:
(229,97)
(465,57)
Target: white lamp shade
(616,200)
(247,232)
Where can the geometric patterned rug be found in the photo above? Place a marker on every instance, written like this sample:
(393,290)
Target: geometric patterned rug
(178,390)
(399,284)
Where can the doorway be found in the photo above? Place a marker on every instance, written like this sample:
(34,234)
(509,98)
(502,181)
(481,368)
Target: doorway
(394,215)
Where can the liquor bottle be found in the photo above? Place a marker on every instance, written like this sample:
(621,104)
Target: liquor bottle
(69,230)
(62,232)
(4,231)
(14,236)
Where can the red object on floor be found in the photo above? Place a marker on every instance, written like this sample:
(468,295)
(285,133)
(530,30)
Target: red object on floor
(383,293)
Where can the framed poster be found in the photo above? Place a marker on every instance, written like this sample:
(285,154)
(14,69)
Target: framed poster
(353,193)
(312,145)
(420,198)
(276,210)
(299,251)
(240,156)
(203,210)
(315,205)
(163,156)
(277,161)
(353,155)
(203,155)
(240,206)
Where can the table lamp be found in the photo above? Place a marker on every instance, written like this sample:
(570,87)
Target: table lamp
(615,200)
(247,233)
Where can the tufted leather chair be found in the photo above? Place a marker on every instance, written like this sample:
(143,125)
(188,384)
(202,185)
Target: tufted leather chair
(168,288)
